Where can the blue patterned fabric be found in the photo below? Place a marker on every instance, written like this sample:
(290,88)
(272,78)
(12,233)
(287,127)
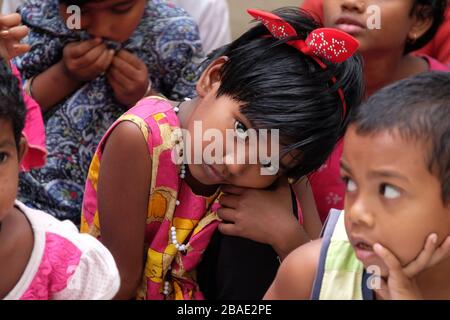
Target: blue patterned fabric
(166,39)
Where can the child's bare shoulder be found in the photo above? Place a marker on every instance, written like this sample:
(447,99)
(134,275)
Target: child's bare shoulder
(296,274)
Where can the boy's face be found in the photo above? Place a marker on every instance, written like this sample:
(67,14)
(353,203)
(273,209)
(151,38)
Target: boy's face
(391,197)
(358,17)
(113,20)
(9,166)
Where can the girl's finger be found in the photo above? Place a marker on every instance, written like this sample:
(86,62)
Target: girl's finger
(16,33)
(21,48)
(228,229)
(227,215)
(10,20)
(229,201)
(124,66)
(109,59)
(124,81)
(131,59)
(92,56)
(232,189)
(81,48)
(116,85)
(423,259)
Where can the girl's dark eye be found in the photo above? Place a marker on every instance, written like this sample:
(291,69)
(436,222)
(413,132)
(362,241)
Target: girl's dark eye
(3,157)
(241,130)
(267,164)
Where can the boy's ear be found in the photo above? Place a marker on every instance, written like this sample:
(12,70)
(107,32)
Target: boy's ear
(422,22)
(23,148)
(210,77)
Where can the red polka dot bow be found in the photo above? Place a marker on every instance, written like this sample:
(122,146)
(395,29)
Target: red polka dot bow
(328,44)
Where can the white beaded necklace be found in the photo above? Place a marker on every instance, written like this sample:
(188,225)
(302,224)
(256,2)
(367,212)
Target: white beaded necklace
(173,230)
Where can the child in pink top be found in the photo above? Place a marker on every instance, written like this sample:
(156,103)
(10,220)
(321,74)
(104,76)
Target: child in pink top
(34,131)
(41,258)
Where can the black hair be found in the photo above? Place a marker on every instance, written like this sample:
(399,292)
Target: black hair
(417,108)
(12,107)
(434,9)
(281,88)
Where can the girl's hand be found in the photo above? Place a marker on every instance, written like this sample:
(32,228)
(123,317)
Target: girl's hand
(11,32)
(128,76)
(401,283)
(86,60)
(263,216)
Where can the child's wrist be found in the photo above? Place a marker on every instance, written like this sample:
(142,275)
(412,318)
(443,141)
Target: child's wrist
(65,72)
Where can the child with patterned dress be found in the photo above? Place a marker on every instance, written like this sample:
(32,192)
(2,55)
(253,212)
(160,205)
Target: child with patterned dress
(392,241)
(157,216)
(86,67)
(41,258)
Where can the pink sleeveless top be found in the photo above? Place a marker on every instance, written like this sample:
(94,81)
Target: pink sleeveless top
(193,216)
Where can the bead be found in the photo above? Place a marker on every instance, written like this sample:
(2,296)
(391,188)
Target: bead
(177,202)
(173,229)
(176,109)
(177,246)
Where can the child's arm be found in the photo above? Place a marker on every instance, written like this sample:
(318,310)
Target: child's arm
(81,62)
(311,220)
(295,277)
(123,194)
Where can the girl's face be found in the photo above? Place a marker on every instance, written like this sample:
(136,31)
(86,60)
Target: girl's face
(9,167)
(391,197)
(359,17)
(113,20)
(220,120)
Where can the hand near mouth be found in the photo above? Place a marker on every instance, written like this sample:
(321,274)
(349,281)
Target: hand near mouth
(401,283)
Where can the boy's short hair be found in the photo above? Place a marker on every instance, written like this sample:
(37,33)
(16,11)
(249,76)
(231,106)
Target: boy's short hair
(418,108)
(434,9)
(12,106)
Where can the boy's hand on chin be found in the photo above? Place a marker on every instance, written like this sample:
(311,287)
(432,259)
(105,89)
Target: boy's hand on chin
(401,283)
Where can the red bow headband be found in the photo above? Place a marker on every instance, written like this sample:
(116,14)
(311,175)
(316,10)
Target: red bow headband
(325,43)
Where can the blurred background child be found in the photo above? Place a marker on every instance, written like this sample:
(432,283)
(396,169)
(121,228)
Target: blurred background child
(85,79)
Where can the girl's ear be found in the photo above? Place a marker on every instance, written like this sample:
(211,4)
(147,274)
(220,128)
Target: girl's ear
(210,77)
(422,22)
(23,148)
